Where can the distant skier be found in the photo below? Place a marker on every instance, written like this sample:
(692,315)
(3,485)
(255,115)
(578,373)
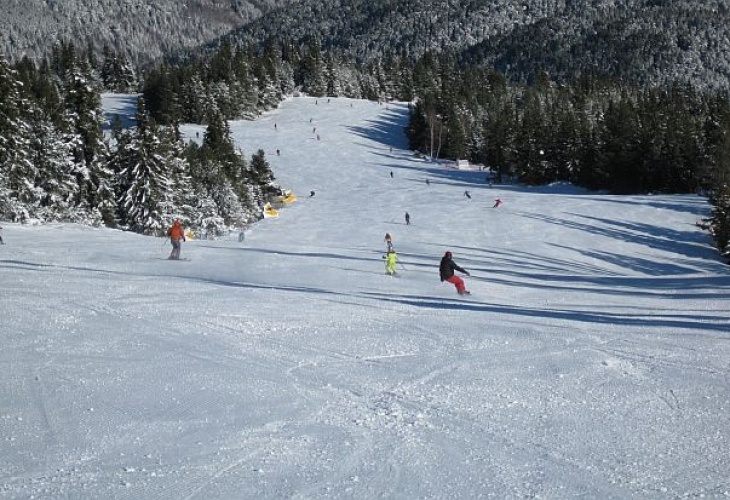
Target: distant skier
(497,203)
(466,193)
(177,236)
(390,260)
(428,182)
(314,130)
(275,127)
(278,153)
(317,136)
(391,174)
(447,268)
(1,239)
(311,194)
(408,219)
(389,241)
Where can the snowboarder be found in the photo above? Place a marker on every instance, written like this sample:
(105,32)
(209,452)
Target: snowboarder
(497,203)
(389,241)
(390,259)
(408,219)
(466,193)
(176,234)
(447,268)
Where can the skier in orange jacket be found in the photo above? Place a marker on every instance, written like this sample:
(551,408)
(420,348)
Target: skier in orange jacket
(177,235)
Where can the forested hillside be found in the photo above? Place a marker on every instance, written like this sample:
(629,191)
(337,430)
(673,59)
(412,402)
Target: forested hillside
(56,164)
(646,41)
(143,30)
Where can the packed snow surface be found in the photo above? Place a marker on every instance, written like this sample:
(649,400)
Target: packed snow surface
(592,359)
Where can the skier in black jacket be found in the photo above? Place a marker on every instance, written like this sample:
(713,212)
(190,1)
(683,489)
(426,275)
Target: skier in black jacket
(447,268)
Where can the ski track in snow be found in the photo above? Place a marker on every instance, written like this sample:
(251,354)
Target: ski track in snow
(591,360)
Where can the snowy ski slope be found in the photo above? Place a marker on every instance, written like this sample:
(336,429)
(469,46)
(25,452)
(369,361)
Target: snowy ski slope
(591,361)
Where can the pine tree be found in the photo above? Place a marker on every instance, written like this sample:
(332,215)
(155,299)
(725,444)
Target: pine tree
(83,105)
(499,128)
(144,175)
(313,70)
(720,196)
(531,163)
(618,156)
(52,153)
(261,174)
(17,172)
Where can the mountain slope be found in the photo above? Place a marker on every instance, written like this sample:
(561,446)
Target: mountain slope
(590,361)
(644,41)
(143,30)
(650,42)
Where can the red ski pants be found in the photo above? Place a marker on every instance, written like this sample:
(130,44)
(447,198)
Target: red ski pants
(457,282)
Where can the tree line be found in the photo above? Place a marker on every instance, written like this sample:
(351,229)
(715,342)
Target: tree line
(57,164)
(593,132)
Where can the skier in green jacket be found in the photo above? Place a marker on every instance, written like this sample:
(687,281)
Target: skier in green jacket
(390,259)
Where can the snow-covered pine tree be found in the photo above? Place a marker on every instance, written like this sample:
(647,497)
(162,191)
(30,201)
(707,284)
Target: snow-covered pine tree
(52,153)
(83,105)
(244,89)
(261,173)
(180,198)
(217,176)
(195,99)
(144,175)
(117,74)
(332,76)
(17,172)
(720,197)
(313,70)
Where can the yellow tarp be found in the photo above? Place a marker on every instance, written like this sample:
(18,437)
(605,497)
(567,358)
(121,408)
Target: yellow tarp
(289,199)
(270,212)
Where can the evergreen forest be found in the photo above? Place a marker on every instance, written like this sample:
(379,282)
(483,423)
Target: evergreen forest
(592,130)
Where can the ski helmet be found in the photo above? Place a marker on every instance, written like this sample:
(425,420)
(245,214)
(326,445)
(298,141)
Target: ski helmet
(447,255)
